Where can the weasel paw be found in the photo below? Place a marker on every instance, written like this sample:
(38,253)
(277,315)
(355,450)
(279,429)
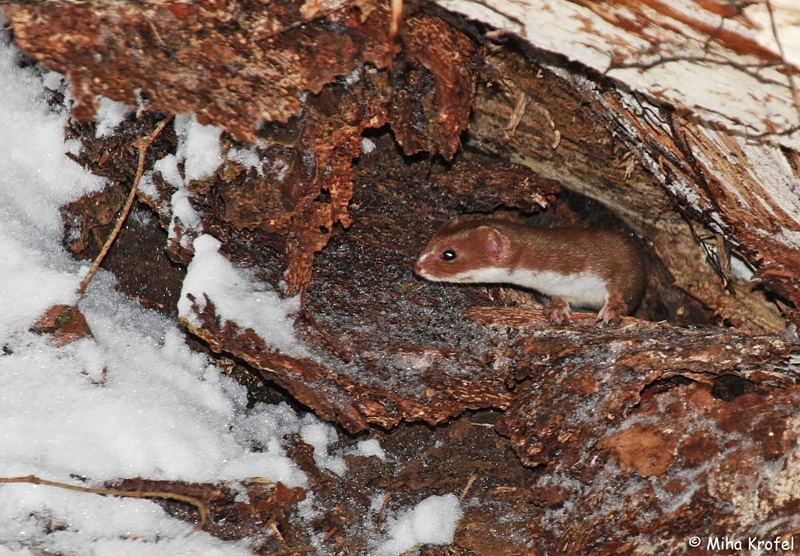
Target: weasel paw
(558,311)
(611,314)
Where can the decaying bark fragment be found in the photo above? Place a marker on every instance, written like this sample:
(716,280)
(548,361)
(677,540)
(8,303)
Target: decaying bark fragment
(232,63)
(241,65)
(686,465)
(432,49)
(696,430)
(569,391)
(64,323)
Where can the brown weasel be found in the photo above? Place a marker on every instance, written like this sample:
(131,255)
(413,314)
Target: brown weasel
(595,269)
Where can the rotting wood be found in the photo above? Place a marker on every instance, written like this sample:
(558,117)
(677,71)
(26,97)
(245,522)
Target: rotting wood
(609,369)
(640,435)
(670,149)
(252,77)
(231,63)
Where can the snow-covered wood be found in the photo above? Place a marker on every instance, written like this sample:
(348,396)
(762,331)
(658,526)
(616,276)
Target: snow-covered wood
(719,60)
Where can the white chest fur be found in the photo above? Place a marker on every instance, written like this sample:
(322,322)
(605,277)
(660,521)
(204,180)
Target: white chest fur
(583,289)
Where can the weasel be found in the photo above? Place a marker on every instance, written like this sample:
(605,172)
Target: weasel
(591,268)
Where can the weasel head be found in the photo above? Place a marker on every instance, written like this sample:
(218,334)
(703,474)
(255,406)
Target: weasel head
(463,253)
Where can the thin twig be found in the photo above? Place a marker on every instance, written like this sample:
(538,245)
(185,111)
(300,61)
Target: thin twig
(396,18)
(142,144)
(197,503)
(469,484)
(516,115)
(381,512)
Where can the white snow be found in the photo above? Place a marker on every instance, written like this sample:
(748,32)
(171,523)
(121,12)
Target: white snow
(320,435)
(740,269)
(198,145)
(371,447)
(35,179)
(432,521)
(368,145)
(353,77)
(109,115)
(199,152)
(238,297)
(96,525)
(247,157)
(168,166)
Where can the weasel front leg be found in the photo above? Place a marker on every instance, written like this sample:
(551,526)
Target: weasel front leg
(613,311)
(558,311)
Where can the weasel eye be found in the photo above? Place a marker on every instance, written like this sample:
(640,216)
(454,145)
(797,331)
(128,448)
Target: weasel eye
(449,255)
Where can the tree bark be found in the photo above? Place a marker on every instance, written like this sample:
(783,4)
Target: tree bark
(640,436)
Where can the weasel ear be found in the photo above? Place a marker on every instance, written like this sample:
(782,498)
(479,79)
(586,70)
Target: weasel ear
(495,243)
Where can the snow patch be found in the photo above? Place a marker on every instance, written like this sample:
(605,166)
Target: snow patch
(367,448)
(198,151)
(238,297)
(367,145)
(108,116)
(198,146)
(432,521)
(248,157)
(320,435)
(36,178)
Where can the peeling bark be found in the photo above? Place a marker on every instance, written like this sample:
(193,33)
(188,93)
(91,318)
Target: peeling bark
(231,63)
